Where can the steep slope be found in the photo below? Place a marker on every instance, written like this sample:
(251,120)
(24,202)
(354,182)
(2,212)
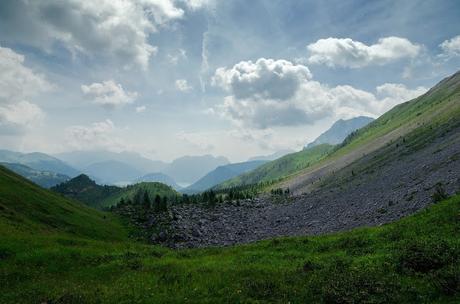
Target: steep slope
(45,179)
(25,207)
(159,178)
(221,174)
(112,172)
(38,161)
(272,156)
(340,130)
(426,117)
(281,167)
(85,190)
(189,169)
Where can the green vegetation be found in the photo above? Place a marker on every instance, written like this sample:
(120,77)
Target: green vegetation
(281,168)
(83,189)
(59,251)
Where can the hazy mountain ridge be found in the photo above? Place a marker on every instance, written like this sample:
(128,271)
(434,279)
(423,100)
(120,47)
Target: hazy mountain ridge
(340,130)
(223,173)
(45,179)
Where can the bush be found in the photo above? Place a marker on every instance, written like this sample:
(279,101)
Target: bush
(439,194)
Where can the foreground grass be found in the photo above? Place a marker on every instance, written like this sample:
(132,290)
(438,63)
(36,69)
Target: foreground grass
(413,260)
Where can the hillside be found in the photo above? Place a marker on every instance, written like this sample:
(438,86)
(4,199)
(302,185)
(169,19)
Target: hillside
(83,189)
(424,119)
(27,209)
(45,179)
(79,255)
(221,174)
(281,167)
(128,192)
(160,178)
(340,130)
(38,161)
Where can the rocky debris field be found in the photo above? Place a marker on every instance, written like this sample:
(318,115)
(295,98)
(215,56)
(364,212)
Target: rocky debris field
(380,188)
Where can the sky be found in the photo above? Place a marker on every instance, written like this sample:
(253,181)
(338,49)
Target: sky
(233,78)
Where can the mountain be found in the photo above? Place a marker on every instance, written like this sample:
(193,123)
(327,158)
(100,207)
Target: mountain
(45,179)
(81,255)
(38,161)
(84,159)
(281,167)
(273,156)
(189,169)
(112,172)
(429,122)
(160,178)
(84,189)
(340,130)
(223,173)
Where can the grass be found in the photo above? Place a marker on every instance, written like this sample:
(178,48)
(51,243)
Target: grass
(413,260)
(282,167)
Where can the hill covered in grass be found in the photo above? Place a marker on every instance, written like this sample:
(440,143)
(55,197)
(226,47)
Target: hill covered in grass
(281,167)
(45,179)
(55,250)
(83,189)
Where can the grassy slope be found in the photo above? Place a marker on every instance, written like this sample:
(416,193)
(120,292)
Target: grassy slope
(281,167)
(413,260)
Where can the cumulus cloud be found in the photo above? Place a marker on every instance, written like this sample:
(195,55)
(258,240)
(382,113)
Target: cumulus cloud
(451,47)
(174,58)
(17,84)
(263,79)
(98,135)
(183,85)
(107,28)
(254,103)
(108,94)
(346,52)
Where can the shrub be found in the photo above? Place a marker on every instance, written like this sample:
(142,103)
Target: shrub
(439,194)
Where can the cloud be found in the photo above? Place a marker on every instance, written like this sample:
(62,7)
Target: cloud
(263,79)
(182,85)
(196,140)
(108,94)
(255,104)
(354,54)
(98,135)
(141,109)
(117,29)
(451,47)
(174,58)
(17,84)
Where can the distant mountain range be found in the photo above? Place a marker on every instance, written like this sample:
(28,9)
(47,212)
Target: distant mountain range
(112,172)
(221,174)
(340,130)
(45,179)
(38,161)
(189,169)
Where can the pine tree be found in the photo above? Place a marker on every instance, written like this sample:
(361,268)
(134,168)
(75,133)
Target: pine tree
(146,202)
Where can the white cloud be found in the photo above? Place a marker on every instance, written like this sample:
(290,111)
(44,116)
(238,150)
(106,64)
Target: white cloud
(108,94)
(99,135)
(451,47)
(354,54)
(254,103)
(17,84)
(141,109)
(117,29)
(263,79)
(183,85)
(196,140)
(174,58)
